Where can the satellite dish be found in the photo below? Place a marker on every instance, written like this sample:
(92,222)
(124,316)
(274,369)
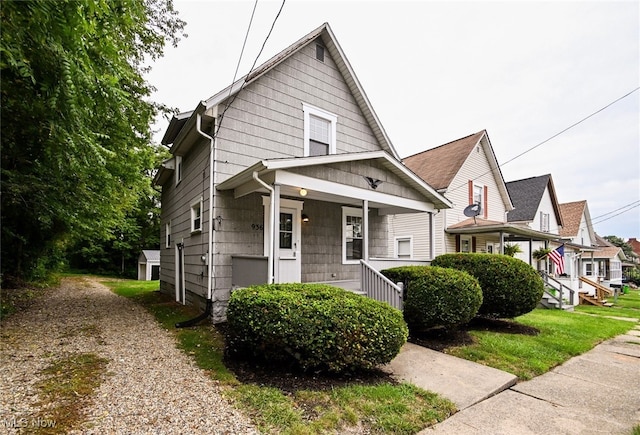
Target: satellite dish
(472,210)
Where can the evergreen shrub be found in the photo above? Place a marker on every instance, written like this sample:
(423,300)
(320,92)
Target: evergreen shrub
(510,287)
(314,326)
(436,296)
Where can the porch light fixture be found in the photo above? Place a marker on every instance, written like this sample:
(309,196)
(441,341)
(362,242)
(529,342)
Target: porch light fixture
(305,218)
(303,192)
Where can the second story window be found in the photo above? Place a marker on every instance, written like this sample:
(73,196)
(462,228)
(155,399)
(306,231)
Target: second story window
(319,131)
(178,169)
(196,216)
(544,222)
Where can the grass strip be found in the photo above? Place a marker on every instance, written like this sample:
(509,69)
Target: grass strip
(66,391)
(383,408)
(562,336)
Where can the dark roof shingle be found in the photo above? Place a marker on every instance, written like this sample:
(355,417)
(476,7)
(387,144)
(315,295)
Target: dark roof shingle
(526,195)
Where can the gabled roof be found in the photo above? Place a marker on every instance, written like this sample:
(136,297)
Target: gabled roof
(601,241)
(609,252)
(526,195)
(438,166)
(572,213)
(152,255)
(185,121)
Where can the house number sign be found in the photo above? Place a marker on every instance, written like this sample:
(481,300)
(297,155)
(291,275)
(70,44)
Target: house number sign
(257,227)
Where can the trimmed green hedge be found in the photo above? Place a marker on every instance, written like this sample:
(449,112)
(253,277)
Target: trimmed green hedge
(510,287)
(316,326)
(436,296)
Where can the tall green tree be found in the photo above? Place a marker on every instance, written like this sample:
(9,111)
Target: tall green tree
(76,116)
(620,243)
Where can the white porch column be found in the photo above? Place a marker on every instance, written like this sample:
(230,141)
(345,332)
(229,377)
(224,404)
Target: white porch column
(432,232)
(275,232)
(365,230)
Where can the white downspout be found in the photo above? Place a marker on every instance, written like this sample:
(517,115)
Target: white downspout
(272,223)
(212,163)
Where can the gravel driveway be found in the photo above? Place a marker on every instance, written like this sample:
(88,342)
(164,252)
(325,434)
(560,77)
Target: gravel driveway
(151,387)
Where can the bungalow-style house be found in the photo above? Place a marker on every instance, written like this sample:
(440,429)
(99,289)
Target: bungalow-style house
(578,234)
(287,175)
(536,207)
(606,263)
(467,173)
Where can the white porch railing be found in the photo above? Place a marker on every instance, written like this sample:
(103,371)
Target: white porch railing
(564,292)
(379,287)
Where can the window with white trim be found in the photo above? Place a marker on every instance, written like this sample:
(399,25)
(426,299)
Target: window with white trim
(352,235)
(478,195)
(404,247)
(465,243)
(196,216)
(178,169)
(544,222)
(319,131)
(167,235)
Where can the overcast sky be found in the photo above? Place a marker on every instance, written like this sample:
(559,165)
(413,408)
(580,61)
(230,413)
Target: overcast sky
(438,71)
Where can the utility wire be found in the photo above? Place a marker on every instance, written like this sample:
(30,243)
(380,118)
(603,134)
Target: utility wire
(500,165)
(221,118)
(570,127)
(244,44)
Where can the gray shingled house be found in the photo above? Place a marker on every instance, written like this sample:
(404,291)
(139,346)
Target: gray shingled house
(287,175)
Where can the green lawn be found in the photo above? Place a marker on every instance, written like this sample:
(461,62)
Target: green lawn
(623,306)
(562,335)
(386,407)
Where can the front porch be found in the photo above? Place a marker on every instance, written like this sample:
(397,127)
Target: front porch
(323,219)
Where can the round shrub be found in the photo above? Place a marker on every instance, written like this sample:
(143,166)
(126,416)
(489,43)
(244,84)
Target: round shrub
(316,326)
(437,296)
(510,287)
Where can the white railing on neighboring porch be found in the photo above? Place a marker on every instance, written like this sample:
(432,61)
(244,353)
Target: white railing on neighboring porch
(564,292)
(379,287)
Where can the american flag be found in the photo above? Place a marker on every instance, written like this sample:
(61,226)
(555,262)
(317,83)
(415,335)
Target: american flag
(557,256)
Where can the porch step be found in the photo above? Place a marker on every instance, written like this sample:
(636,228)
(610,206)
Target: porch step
(587,299)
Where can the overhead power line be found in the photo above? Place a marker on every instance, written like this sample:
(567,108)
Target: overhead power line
(571,126)
(500,165)
(264,43)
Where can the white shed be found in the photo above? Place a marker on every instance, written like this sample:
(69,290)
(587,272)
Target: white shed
(149,265)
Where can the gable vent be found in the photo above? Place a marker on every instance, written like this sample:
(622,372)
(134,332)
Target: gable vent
(320,52)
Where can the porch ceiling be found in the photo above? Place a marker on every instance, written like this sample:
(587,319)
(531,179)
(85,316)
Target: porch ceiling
(275,172)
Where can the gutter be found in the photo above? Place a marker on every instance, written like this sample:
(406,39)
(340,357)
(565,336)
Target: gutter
(272,223)
(210,277)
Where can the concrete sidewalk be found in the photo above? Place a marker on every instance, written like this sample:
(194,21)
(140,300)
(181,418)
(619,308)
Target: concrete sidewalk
(463,382)
(597,392)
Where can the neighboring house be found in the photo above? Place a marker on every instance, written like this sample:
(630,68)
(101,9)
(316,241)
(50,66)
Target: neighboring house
(577,230)
(606,263)
(635,245)
(149,265)
(467,173)
(287,175)
(535,205)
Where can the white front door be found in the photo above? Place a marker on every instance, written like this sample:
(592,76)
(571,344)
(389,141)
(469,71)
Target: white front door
(287,261)
(288,242)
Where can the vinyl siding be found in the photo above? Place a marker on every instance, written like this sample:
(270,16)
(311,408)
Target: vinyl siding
(266,121)
(546,206)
